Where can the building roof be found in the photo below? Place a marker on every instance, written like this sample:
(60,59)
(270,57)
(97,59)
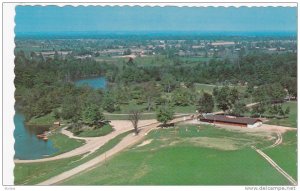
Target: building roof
(232,119)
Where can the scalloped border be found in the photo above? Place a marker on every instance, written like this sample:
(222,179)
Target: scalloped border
(133,4)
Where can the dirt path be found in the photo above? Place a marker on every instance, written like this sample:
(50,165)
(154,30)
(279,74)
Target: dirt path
(277,142)
(125,143)
(92,143)
(276,166)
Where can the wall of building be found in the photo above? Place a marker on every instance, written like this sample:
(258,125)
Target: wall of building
(257,124)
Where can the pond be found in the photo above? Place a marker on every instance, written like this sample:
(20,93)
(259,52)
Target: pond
(27,145)
(96,83)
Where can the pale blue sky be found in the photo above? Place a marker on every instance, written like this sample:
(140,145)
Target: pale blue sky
(160,19)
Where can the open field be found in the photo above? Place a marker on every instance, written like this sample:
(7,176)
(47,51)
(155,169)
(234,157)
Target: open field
(188,155)
(33,173)
(64,143)
(291,121)
(285,155)
(106,129)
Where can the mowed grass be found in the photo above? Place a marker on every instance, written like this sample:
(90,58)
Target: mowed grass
(285,154)
(44,120)
(187,155)
(209,87)
(64,144)
(106,129)
(291,120)
(33,173)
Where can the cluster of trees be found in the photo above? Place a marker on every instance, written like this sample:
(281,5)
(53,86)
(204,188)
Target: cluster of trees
(255,70)
(47,85)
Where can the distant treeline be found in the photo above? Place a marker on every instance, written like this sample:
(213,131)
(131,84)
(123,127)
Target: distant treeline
(45,86)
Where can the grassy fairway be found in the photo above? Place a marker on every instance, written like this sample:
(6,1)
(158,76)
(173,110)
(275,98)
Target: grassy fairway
(64,143)
(187,155)
(33,173)
(106,129)
(291,121)
(285,155)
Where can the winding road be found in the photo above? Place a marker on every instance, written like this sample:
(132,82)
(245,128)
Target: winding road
(126,142)
(92,143)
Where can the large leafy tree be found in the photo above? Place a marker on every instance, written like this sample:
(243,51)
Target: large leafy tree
(151,93)
(164,114)
(239,108)
(206,103)
(226,97)
(259,109)
(91,114)
(169,82)
(182,97)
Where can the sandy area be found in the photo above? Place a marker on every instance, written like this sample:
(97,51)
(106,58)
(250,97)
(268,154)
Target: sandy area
(145,142)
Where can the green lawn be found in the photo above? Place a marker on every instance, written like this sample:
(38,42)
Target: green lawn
(33,173)
(285,155)
(106,129)
(209,87)
(44,120)
(64,144)
(187,155)
(291,121)
(185,109)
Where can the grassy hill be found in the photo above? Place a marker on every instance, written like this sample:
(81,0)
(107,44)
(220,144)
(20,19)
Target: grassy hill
(188,155)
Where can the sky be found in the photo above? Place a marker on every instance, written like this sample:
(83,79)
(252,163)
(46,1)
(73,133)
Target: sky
(53,19)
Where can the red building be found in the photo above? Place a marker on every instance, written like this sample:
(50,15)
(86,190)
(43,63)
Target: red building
(231,120)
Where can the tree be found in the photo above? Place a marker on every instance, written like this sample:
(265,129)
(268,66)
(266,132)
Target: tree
(109,102)
(233,95)
(169,82)
(134,117)
(291,86)
(276,92)
(206,103)
(260,95)
(127,52)
(151,93)
(164,114)
(258,109)
(71,108)
(287,111)
(182,97)
(239,109)
(226,97)
(91,114)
